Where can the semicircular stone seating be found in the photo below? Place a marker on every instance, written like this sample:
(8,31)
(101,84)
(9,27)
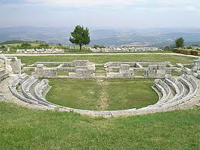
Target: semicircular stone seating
(27,89)
(172,93)
(184,88)
(3,75)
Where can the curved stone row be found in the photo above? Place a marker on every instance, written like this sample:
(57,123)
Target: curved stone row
(177,86)
(164,89)
(183,97)
(41,89)
(1,96)
(26,87)
(3,74)
(13,86)
(19,86)
(172,92)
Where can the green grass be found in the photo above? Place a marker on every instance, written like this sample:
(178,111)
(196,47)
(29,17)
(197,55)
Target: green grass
(29,72)
(74,93)
(24,129)
(107,58)
(102,95)
(34,45)
(100,73)
(140,73)
(100,68)
(62,73)
(189,66)
(51,65)
(131,93)
(176,73)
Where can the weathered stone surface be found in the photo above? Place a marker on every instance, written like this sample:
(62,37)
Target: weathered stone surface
(124,71)
(80,62)
(82,73)
(123,49)
(45,72)
(167,102)
(113,69)
(13,65)
(196,66)
(157,71)
(40,51)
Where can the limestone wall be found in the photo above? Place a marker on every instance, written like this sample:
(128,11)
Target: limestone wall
(124,49)
(56,63)
(86,69)
(45,72)
(13,65)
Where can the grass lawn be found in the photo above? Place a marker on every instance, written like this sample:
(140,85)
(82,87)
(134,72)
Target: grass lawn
(108,58)
(176,73)
(24,129)
(110,94)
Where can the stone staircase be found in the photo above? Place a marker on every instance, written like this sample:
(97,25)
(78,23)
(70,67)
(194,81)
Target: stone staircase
(3,74)
(181,90)
(174,93)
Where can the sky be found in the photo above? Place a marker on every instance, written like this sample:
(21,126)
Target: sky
(101,13)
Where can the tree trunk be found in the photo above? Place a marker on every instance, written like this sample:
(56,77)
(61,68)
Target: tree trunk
(80,47)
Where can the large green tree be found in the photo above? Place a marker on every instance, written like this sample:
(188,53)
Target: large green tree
(179,42)
(80,36)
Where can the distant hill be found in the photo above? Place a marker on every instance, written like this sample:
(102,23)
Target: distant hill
(20,42)
(151,37)
(104,33)
(14,42)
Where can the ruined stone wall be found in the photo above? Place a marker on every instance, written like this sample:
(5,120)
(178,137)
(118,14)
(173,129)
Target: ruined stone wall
(45,72)
(86,69)
(13,65)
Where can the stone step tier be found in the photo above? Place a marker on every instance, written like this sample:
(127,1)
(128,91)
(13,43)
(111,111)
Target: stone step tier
(172,94)
(3,74)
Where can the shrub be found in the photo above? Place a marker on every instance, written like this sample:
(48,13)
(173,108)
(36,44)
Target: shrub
(98,46)
(44,45)
(25,45)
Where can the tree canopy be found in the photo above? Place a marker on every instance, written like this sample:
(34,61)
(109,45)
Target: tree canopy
(179,42)
(44,45)
(80,36)
(25,45)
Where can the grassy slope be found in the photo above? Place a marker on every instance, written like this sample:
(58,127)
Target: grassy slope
(108,58)
(90,94)
(23,129)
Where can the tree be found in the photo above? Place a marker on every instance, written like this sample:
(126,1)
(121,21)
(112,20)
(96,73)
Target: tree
(2,47)
(80,36)
(25,45)
(44,45)
(179,42)
(98,46)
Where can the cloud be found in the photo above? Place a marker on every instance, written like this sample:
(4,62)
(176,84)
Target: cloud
(121,13)
(92,3)
(111,5)
(86,3)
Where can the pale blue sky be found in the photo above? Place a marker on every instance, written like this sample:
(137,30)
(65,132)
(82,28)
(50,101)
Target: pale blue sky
(101,13)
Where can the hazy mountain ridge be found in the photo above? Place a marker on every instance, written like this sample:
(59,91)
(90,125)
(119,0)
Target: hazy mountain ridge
(152,37)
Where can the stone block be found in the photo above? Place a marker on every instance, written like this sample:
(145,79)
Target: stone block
(13,65)
(45,72)
(124,68)
(80,62)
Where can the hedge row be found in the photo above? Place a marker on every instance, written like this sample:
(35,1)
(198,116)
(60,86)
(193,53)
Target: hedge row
(187,51)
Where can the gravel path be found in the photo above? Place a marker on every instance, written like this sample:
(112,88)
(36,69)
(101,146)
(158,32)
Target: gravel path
(100,54)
